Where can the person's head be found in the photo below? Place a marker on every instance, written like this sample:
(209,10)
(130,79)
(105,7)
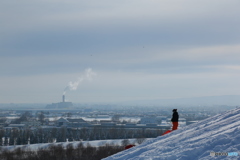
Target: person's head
(174,110)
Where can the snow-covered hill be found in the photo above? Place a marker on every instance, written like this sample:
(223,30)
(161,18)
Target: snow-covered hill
(220,133)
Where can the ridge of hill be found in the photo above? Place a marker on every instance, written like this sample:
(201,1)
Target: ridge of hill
(220,134)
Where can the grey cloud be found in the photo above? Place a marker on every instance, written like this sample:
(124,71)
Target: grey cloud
(182,22)
(174,45)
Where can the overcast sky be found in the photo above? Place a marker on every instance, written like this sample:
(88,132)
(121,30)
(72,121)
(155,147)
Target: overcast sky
(135,49)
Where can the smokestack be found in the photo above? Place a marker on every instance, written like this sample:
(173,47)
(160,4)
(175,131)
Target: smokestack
(63,98)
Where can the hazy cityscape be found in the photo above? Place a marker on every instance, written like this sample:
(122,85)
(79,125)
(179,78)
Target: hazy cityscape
(63,121)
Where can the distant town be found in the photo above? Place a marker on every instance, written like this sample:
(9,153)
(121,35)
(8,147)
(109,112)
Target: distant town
(64,121)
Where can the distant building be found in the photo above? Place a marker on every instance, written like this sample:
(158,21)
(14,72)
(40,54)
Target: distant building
(32,123)
(148,120)
(68,122)
(77,122)
(60,105)
(62,122)
(107,123)
(99,116)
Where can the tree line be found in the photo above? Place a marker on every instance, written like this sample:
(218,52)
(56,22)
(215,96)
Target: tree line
(16,136)
(58,152)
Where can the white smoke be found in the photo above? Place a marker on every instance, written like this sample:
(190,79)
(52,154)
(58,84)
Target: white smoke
(88,75)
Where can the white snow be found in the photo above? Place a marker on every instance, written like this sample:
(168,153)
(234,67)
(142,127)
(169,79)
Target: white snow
(97,143)
(220,133)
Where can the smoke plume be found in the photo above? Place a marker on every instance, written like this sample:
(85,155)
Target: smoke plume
(88,75)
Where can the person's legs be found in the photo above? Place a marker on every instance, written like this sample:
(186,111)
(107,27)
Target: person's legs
(175,125)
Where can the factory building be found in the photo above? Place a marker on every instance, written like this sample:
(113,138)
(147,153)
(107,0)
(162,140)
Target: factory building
(60,105)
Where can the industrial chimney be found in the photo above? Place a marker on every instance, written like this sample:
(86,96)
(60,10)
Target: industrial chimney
(63,98)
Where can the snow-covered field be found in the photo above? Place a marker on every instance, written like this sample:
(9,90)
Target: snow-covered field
(35,147)
(219,134)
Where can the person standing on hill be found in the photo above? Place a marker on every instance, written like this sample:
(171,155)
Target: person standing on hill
(174,119)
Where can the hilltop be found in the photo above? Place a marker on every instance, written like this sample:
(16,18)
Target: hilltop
(220,133)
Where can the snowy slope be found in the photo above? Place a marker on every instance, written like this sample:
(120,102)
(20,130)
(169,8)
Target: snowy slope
(220,133)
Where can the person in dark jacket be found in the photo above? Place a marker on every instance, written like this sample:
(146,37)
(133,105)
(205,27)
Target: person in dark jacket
(174,119)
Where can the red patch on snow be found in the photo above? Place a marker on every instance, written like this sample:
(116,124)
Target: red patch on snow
(129,146)
(168,131)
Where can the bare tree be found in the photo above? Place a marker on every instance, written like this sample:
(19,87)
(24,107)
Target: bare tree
(41,117)
(116,118)
(125,142)
(140,140)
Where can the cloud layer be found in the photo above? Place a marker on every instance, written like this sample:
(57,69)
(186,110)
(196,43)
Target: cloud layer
(139,48)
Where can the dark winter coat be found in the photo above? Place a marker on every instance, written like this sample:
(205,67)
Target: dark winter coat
(175,117)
